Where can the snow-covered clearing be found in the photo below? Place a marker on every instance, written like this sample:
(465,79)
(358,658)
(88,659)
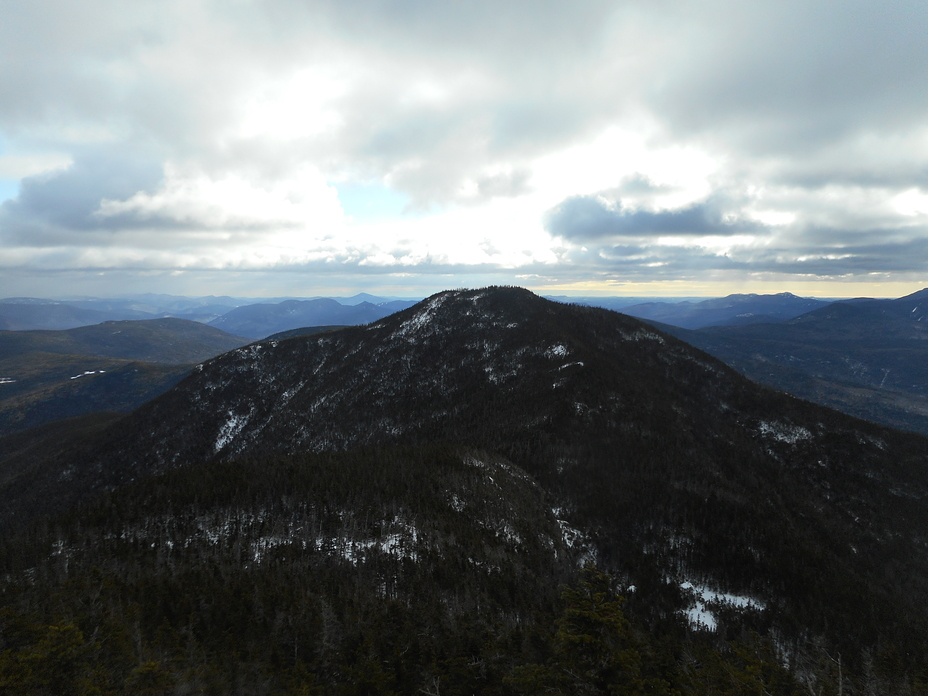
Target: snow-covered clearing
(232,427)
(784,432)
(699,614)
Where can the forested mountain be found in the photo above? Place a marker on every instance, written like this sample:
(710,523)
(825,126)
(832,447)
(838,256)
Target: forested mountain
(261,320)
(868,358)
(25,314)
(170,341)
(725,311)
(113,366)
(392,508)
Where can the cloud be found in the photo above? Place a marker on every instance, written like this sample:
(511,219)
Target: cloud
(582,138)
(51,208)
(585,218)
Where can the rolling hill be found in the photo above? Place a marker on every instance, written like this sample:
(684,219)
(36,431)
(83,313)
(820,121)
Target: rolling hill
(113,366)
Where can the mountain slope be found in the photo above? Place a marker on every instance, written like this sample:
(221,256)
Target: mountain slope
(49,386)
(390,570)
(868,358)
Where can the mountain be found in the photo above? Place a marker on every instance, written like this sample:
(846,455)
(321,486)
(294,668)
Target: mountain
(113,366)
(867,358)
(367,297)
(913,307)
(202,309)
(261,320)
(171,341)
(393,507)
(23,314)
(46,386)
(734,309)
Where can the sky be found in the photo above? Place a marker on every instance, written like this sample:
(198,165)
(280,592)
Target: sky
(401,147)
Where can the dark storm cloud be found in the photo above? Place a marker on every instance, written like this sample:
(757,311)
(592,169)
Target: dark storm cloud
(584,218)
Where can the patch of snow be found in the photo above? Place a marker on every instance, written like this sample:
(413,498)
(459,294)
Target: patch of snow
(565,366)
(473,461)
(262,545)
(88,372)
(784,432)
(558,351)
(573,538)
(642,335)
(232,427)
(252,351)
(8,380)
(708,595)
(401,543)
(700,616)
(868,439)
(456,503)
(289,394)
(508,532)
(422,318)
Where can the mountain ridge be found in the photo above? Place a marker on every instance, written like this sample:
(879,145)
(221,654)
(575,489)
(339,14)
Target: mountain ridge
(866,358)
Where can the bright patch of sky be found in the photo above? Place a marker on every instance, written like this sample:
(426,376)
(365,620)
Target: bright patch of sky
(9,188)
(370,202)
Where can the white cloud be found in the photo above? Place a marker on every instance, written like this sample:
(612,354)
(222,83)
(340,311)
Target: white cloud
(22,166)
(198,134)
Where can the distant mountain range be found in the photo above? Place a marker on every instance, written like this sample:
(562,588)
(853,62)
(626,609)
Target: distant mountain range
(261,320)
(26,313)
(723,311)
